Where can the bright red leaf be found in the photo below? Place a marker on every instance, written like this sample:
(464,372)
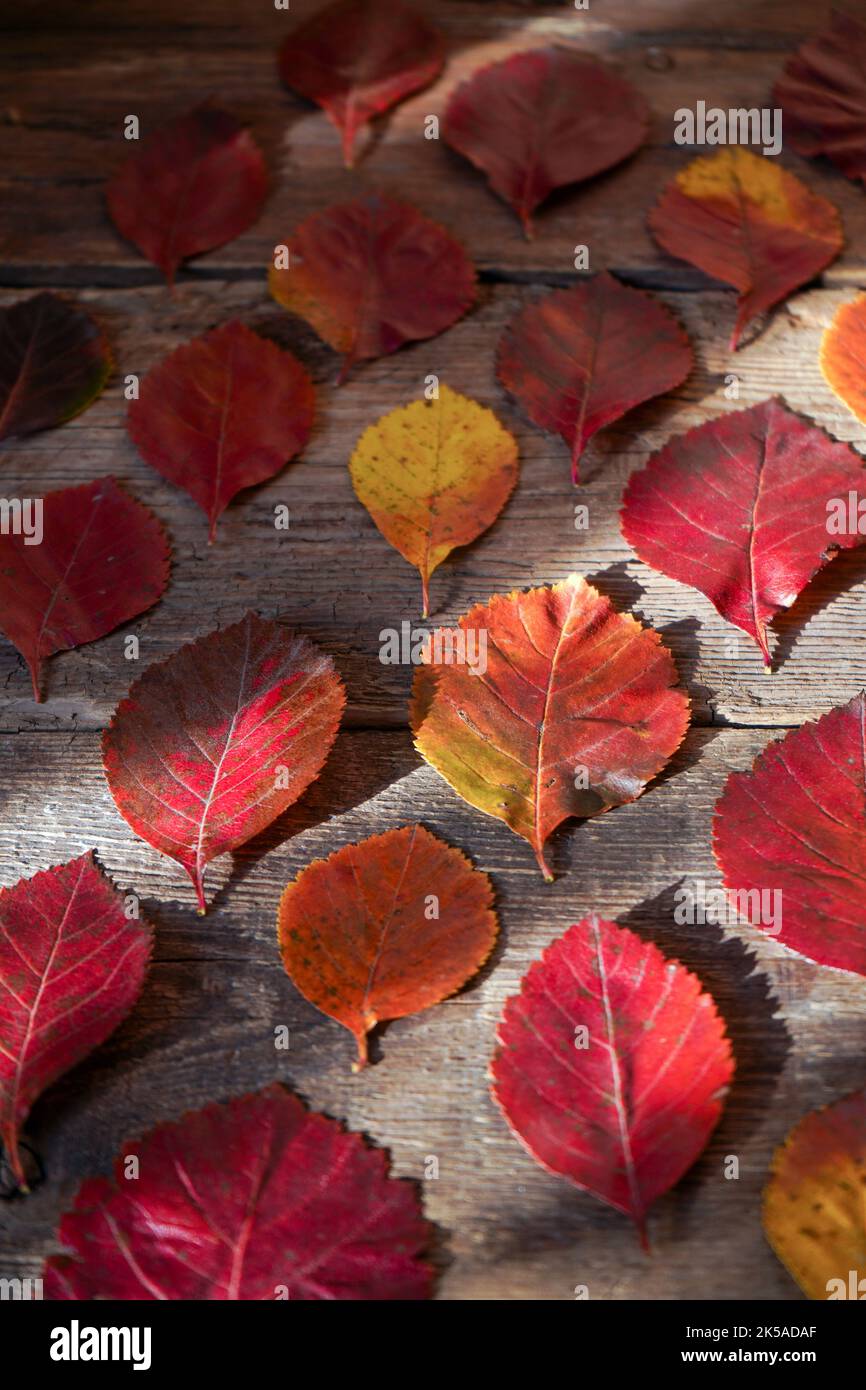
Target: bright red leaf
(222,413)
(822,93)
(358,58)
(54,362)
(215,742)
(256,1199)
(612,1066)
(71,967)
(738,508)
(102,560)
(194,184)
(543,119)
(372,275)
(795,826)
(579,358)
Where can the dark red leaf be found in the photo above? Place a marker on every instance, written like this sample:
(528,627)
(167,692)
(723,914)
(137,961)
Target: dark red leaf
(580,358)
(738,508)
(215,742)
(795,825)
(822,93)
(222,413)
(543,119)
(372,275)
(53,362)
(103,559)
(358,58)
(71,967)
(195,183)
(254,1199)
(612,1066)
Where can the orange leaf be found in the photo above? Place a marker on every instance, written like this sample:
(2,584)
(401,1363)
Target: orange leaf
(384,928)
(843,351)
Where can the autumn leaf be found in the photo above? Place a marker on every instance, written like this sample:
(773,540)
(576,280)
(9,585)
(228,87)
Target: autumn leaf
(374,274)
(612,1066)
(543,119)
(433,475)
(384,928)
(738,508)
(545,705)
(54,361)
(256,1199)
(358,58)
(215,742)
(843,352)
(194,184)
(745,220)
(580,358)
(814,1216)
(790,838)
(72,963)
(822,93)
(103,559)
(222,413)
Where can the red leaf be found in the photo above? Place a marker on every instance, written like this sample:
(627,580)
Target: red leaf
(254,1199)
(372,275)
(580,358)
(71,967)
(358,58)
(738,508)
(103,559)
(822,93)
(54,362)
(195,183)
(358,939)
(796,826)
(747,221)
(215,742)
(543,119)
(624,1109)
(222,413)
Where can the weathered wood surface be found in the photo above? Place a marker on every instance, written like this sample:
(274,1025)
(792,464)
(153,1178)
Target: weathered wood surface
(204,1028)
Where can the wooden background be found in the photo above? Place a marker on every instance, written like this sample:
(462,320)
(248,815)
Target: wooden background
(204,1027)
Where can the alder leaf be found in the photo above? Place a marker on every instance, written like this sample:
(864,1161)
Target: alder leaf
(580,358)
(222,413)
(433,475)
(374,274)
(822,93)
(256,1199)
(743,219)
(843,352)
(612,1066)
(54,362)
(358,58)
(194,184)
(385,928)
(543,119)
(103,559)
(814,1216)
(739,508)
(72,964)
(790,838)
(559,707)
(215,742)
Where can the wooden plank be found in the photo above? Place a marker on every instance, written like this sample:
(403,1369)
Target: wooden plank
(204,1027)
(335,577)
(72,83)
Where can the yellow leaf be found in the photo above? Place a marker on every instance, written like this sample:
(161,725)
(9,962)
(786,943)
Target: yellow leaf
(433,475)
(843,350)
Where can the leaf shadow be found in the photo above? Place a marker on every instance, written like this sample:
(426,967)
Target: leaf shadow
(844,572)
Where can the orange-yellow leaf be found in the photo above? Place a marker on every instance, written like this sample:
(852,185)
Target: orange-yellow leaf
(815,1201)
(433,475)
(384,928)
(843,353)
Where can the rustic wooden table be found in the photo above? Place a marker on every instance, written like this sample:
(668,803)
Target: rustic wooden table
(204,1028)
